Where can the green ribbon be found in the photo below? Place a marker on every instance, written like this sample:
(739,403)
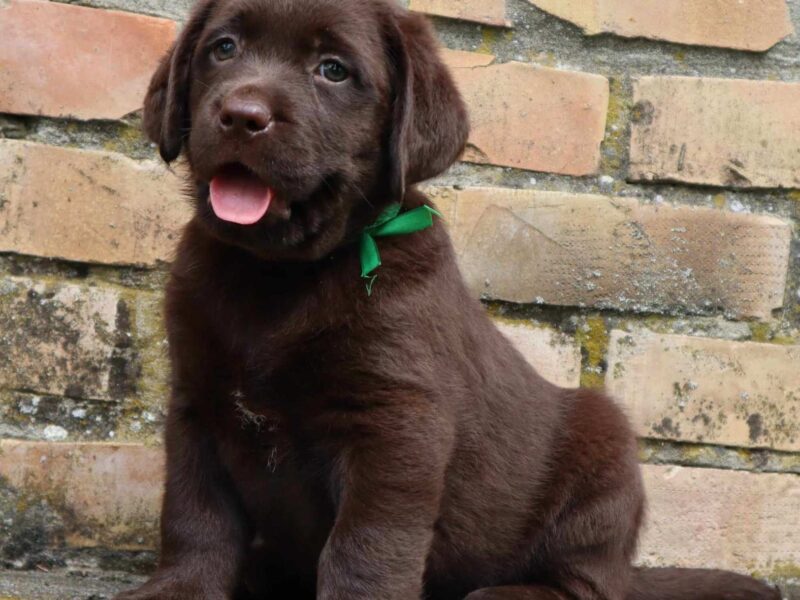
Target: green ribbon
(391,222)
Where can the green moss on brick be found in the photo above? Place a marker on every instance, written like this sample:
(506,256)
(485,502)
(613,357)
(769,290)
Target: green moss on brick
(128,140)
(781,570)
(490,37)
(594,339)
(140,419)
(615,146)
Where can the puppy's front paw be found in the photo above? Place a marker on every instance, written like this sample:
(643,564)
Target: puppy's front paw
(166,587)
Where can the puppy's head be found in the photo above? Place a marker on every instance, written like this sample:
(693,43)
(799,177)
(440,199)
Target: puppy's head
(301,119)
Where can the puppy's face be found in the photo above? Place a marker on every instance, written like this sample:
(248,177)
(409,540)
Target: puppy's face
(302,119)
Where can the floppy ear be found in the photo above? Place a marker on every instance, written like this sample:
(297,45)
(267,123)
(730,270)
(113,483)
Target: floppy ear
(429,123)
(166,105)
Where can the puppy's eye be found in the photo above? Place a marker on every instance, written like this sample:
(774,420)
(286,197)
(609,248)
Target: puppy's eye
(225,49)
(334,71)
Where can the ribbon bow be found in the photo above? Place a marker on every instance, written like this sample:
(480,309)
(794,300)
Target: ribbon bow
(391,222)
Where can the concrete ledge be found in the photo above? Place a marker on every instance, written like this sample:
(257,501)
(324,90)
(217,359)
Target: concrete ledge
(64,585)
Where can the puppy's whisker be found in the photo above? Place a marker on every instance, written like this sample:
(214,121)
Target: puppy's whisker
(201,82)
(363,195)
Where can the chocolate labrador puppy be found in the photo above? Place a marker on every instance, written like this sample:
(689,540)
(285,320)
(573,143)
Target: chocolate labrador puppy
(333,442)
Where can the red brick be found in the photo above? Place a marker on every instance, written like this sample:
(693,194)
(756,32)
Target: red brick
(60,338)
(745,24)
(490,12)
(555,356)
(88,206)
(110,495)
(582,250)
(694,389)
(709,518)
(532,117)
(69,61)
(726,132)
(107,494)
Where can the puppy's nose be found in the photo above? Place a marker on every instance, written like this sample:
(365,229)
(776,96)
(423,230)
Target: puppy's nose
(244,117)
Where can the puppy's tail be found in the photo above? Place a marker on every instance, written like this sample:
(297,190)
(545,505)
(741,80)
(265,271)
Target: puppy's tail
(697,584)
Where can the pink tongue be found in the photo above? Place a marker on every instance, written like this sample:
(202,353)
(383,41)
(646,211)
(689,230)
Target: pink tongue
(239,198)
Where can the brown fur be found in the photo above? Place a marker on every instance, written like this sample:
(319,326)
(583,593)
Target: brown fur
(326,444)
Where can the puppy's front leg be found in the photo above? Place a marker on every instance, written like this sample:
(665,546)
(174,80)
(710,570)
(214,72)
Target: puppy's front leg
(201,532)
(391,481)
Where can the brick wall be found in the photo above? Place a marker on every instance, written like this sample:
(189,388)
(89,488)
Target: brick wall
(628,209)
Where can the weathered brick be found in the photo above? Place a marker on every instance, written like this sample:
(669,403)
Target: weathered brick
(106,494)
(87,206)
(707,390)
(724,132)
(532,117)
(555,356)
(491,12)
(583,250)
(730,519)
(70,61)
(721,519)
(63,339)
(755,25)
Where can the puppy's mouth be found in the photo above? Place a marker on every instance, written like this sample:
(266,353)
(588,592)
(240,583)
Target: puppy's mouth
(239,196)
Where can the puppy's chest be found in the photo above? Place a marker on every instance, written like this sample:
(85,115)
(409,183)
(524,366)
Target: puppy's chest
(277,471)
(258,409)
(269,382)
(272,398)
(274,450)
(283,363)
(279,377)
(261,438)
